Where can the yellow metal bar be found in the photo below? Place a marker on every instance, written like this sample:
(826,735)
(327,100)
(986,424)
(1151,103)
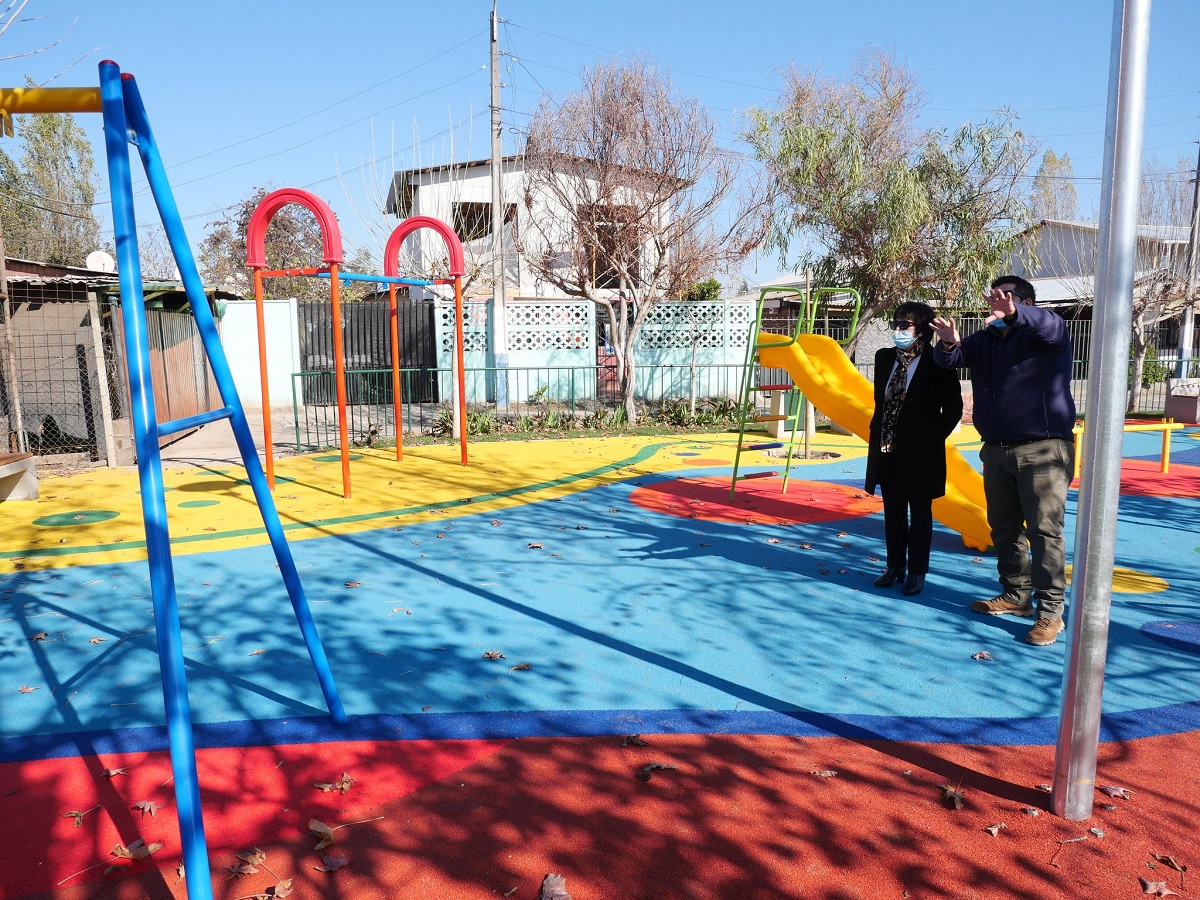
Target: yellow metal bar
(1166,450)
(1166,426)
(49,100)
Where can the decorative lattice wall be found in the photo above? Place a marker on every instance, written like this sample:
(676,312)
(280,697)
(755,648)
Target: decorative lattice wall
(549,325)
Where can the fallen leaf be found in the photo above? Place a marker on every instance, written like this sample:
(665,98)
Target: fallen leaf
(237,870)
(495,521)
(952,797)
(1043,787)
(1118,792)
(283,889)
(1157,888)
(843,571)
(554,887)
(116,867)
(136,850)
(521,667)
(146,806)
(493,654)
(253,857)
(982,655)
(257,652)
(824,773)
(772,540)
(635,739)
(113,773)
(353,584)
(1096,832)
(823,571)
(646,772)
(77,815)
(994,830)
(317,827)
(332,863)
(535,546)
(40,636)
(26,689)
(806,546)
(97,640)
(1169,861)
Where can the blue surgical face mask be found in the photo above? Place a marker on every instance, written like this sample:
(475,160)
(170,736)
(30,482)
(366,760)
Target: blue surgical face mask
(997,323)
(903,339)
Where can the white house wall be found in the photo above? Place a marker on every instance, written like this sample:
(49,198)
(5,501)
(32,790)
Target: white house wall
(239,337)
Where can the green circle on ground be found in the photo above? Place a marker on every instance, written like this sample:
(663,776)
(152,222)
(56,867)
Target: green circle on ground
(197,504)
(332,458)
(165,490)
(81,517)
(279,479)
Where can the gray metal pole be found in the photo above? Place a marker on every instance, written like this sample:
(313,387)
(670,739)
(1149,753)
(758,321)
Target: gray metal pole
(1096,524)
(1190,273)
(499,296)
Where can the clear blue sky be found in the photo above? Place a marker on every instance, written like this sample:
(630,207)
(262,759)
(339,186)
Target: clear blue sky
(292,93)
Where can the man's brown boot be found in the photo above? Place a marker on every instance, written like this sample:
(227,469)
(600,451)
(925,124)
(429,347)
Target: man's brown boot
(1044,632)
(1005,604)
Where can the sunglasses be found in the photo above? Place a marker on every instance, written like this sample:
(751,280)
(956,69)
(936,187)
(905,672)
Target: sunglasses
(900,324)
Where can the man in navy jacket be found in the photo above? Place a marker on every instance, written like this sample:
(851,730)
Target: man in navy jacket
(1021,379)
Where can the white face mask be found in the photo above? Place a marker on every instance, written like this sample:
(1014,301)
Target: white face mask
(903,339)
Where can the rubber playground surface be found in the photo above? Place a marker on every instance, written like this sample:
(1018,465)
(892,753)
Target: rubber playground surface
(579,657)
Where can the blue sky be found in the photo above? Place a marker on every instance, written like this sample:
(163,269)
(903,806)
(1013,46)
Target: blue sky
(332,98)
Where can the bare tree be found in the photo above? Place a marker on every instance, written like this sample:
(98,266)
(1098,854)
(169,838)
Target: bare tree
(629,200)
(1160,283)
(1054,195)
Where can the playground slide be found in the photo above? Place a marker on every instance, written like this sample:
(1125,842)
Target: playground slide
(827,377)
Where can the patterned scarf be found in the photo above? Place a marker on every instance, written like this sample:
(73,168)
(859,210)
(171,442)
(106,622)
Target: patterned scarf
(893,397)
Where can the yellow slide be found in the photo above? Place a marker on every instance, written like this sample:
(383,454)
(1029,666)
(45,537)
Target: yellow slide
(827,377)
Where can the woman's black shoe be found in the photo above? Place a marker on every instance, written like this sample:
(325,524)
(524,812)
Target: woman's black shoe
(914,584)
(889,577)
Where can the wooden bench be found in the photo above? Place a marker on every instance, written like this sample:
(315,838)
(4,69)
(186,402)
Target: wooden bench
(18,479)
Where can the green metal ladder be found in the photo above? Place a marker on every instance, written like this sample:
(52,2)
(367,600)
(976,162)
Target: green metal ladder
(806,323)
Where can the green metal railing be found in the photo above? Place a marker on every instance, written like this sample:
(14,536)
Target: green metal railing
(547,393)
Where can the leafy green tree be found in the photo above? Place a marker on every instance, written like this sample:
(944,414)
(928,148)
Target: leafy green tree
(1053,195)
(881,205)
(293,241)
(47,194)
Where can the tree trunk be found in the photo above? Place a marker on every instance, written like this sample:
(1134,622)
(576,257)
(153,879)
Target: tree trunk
(1140,343)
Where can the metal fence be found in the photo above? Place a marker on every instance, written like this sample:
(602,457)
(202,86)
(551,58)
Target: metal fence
(565,393)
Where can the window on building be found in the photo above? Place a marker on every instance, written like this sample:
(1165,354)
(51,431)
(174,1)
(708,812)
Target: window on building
(473,221)
(615,251)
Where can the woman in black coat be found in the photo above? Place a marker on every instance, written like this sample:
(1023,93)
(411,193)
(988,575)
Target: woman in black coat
(917,405)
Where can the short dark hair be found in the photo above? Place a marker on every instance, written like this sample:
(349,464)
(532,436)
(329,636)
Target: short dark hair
(1024,289)
(920,314)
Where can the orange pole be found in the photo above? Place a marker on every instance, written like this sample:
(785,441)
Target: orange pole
(339,368)
(462,367)
(262,373)
(396,371)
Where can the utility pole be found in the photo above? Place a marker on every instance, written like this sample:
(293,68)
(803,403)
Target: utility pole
(499,313)
(1190,270)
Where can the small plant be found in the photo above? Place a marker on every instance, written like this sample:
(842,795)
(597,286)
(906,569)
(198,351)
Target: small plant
(443,422)
(482,422)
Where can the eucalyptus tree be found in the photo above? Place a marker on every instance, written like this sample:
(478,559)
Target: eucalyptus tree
(879,204)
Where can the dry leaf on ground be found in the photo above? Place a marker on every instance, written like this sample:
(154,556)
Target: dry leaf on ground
(535,546)
(113,773)
(952,797)
(332,863)
(994,830)
(26,689)
(317,827)
(493,654)
(1169,861)
(647,771)
(824,773)
(253,857)
(1156,888)
(1119,792)
(554,887)
(146,806)
(138,849)
(342,784)
(982,655)
(635,739)
(521,667)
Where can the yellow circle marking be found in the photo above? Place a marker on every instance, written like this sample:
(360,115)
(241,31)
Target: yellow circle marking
(1131,581)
